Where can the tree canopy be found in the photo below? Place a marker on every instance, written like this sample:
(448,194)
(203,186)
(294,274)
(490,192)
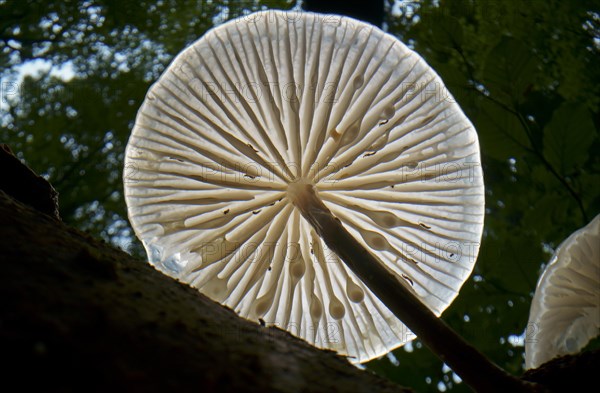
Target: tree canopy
(526,73)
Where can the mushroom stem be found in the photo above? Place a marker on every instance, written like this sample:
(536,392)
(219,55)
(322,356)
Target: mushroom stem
(472,366)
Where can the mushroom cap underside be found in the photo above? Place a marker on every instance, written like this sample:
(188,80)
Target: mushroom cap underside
(275,98)
(565,310)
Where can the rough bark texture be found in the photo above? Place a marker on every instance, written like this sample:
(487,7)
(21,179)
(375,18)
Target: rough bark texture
(571,373)
(23,184)
(77,315)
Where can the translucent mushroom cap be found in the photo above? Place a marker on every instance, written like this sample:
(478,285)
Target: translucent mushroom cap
(272,99)
(565,310)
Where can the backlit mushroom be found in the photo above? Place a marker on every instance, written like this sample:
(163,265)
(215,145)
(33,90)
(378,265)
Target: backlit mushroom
(565,311)
(268,127)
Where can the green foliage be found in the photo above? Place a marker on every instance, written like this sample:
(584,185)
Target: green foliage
(525,72)
(568,137)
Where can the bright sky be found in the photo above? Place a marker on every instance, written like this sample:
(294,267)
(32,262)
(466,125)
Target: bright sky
(11,79)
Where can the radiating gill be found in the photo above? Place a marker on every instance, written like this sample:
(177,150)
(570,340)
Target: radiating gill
(269,249)
(272,279)
(336,308)
(207,220)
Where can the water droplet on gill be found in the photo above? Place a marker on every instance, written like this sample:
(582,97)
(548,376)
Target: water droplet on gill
(354,292)
(216,289)
(384,219)
(388,112)
(297,266)
(261,308)
(316,308)
(263,304)
(251,171)
(358,82)
(336,308)
(375,240)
